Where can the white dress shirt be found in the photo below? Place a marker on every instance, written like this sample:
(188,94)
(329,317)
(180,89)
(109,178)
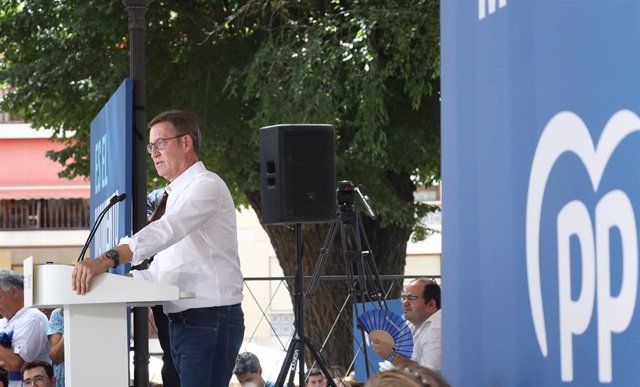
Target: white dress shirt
(30,342)
(427,342)
(195,243)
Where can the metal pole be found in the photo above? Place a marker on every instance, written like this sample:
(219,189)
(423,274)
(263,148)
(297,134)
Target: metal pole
(299,315)
(137,10)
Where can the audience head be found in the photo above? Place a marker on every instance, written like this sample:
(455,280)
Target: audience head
(315,378)
(412,376)
(9,279)
(420,300)
(11,293)
(38,373)
(248,370)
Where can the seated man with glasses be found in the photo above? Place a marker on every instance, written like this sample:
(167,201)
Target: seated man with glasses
(38,373)
(421,306)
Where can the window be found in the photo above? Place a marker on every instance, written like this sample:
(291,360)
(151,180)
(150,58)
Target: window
(58,214)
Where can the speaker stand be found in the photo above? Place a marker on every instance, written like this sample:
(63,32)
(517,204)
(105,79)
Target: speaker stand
(295,352)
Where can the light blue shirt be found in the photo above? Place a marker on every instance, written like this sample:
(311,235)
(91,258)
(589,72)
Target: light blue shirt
(56,325)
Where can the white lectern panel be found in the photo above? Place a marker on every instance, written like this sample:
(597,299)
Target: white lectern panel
(96,350)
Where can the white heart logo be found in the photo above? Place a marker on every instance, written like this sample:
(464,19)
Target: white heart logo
(566,132)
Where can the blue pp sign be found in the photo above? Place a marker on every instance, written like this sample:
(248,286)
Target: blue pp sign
(111,167)
(540,143)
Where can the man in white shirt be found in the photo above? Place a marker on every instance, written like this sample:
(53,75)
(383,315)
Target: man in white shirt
(421,305)
(196,248)
(23,331)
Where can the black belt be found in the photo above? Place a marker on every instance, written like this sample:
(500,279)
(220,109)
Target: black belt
(193,311)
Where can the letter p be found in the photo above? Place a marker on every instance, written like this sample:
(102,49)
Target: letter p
(614,210)
(574,219)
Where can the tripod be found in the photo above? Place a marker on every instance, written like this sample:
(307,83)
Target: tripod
(363,285)
(295,352)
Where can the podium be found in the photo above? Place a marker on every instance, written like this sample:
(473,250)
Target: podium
(96,347)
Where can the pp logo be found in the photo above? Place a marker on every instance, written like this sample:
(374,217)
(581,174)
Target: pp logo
(566,132)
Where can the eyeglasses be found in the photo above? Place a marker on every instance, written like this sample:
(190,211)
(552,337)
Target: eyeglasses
(161,142)
(409,298)
(36,381)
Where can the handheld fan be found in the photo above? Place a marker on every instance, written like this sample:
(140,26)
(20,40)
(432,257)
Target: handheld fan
(386,326)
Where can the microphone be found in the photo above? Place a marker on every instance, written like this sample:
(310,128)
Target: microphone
(112,202)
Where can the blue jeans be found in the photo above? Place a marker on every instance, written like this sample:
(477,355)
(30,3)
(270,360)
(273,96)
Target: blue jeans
(205,343)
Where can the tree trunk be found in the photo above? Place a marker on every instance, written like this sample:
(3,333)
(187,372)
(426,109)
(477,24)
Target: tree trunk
(389,248)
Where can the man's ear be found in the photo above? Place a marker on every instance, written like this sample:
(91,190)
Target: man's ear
(259,371)
(431,303)
(188,141)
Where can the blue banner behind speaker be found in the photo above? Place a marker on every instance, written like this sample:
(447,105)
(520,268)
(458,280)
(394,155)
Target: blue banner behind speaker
(111,168)
(540,148)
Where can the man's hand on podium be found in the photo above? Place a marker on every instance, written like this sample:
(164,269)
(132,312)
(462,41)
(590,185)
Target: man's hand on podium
(83,273)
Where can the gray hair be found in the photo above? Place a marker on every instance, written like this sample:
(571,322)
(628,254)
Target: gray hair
(246,362)
(9,279)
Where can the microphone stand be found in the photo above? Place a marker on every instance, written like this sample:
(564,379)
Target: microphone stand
(112,202)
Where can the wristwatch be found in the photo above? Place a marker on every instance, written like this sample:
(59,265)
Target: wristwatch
(114,256)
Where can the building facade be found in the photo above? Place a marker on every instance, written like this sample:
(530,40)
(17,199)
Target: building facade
(41,214)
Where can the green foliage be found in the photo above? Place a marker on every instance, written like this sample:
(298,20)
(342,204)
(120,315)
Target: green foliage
(370,68)
(61,64)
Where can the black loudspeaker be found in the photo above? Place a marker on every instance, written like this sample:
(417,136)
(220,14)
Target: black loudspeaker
(297,174)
